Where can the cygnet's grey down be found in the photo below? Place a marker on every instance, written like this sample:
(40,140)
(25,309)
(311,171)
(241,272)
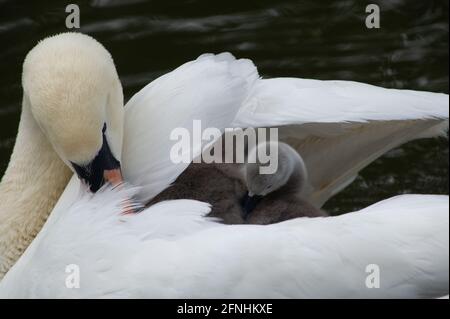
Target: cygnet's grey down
(245,196)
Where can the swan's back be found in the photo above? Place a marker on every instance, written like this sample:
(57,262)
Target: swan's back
(171,250)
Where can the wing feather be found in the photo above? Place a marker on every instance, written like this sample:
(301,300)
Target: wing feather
(341,127)
(210,89)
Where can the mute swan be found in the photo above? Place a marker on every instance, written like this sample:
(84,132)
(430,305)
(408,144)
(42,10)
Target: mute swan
(212,89)
(273,197)
(72,120)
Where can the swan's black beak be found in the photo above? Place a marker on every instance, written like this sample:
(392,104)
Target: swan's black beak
(249,203)
(103,168)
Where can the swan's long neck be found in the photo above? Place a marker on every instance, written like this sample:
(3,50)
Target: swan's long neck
(33,182)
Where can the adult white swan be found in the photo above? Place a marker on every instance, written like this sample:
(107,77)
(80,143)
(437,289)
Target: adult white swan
(71,90)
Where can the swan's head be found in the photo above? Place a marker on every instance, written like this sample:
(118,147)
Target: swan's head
(290,167)
(74,94)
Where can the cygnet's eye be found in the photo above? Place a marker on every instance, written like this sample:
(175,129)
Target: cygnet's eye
(269,187)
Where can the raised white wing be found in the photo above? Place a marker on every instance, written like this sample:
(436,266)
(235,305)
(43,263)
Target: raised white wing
(211,89)
(404,240)
(340,127)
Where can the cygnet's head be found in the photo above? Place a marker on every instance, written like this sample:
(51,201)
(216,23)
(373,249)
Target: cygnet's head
(290,168)
(74,94)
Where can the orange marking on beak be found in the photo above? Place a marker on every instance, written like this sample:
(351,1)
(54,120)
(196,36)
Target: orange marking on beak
(113,176)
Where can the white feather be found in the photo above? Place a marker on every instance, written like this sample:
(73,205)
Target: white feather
(341,127)
(287,101)
(171,251)
(210,89)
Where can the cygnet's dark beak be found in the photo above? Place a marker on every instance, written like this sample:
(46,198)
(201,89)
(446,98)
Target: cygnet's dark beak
(249,203)
(103,168)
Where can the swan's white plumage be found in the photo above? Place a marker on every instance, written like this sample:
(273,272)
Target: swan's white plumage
(211,89)
(287,101)
(170,250)
(187,255)
(351,123)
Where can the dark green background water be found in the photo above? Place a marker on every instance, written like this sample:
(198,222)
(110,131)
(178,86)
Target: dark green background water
(310,39)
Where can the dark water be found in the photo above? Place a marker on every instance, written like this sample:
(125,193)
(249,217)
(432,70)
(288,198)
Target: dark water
(311,39)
